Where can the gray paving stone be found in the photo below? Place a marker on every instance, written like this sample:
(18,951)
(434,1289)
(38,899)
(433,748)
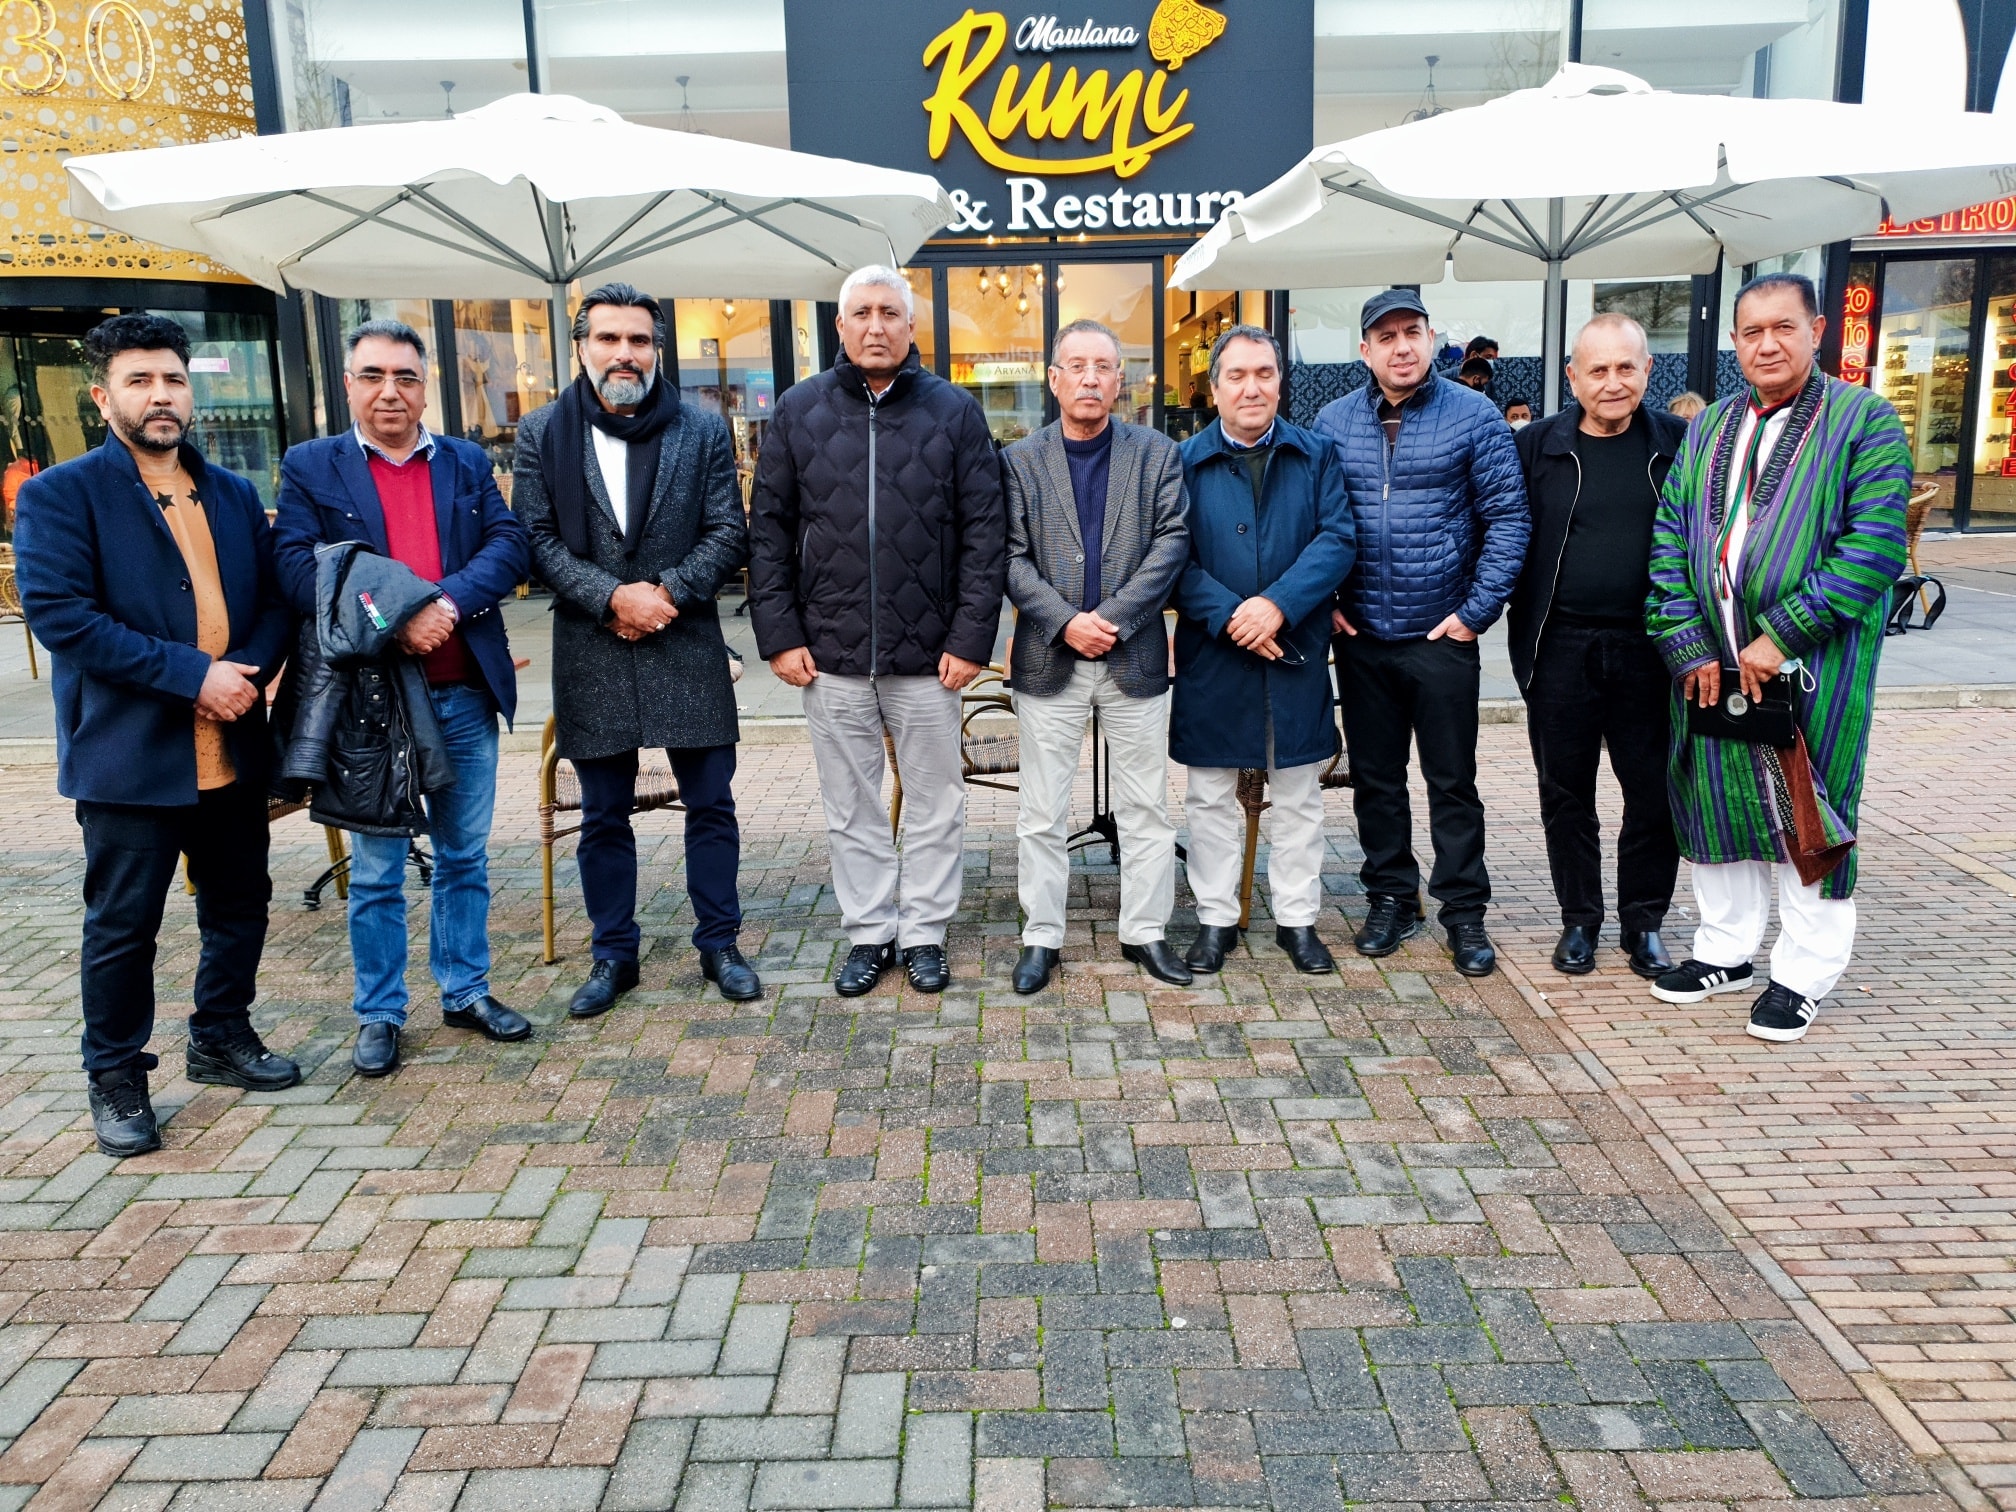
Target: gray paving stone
(1687,1341)
(755,1341)
(371,1331)
(810,1378)
(1146,1419)
(546,1490)
(938,1460)
(706,1396)
(1606,1428)
(365,1475)
(761,1438)
(1419,1403)
(646,1476)
(398,1367)
(1297,1483)
(595,1325)
(655,1275)
(184,1291)
(1801,1450)
(1121,1483)
(642,1361)
(716,1488)
(870,1424)
(1432,1344)
(560,1291)
(204,1457)
(1705,1417)
(1607,1373)
(824,1483)
(283,1394)
(30,1389)
(531,1192)
(506,1343)
(217,1321)
(1044,1435)
(1300,1433)
(527,1260)
(704,1306)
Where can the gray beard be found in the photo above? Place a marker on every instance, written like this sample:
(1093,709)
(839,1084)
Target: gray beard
(623,389)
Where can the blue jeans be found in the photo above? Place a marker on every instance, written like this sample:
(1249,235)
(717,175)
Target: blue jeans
(459,822)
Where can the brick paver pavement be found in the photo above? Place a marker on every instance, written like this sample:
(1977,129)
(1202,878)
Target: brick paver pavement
(1390,1237)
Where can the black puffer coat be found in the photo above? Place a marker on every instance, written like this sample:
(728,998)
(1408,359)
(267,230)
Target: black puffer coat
(878,528)
(360,732)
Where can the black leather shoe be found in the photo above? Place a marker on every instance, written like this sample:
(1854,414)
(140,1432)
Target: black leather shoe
(1159,961)
(377,1052)
(925,966)
(1575,951)
(235,1056)
(1309,954)
(1472,949)
(121,1115)
(1033,968)
(727,969)
(863,968)
(489,1018)
(607,981)
(1390,921)
(1213,943)
(1647,952)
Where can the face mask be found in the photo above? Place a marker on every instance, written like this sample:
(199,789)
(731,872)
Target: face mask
(1519,424)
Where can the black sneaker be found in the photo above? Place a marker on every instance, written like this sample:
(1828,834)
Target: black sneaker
(121,1115)
(1390,921)
(1780,1015)
(1693,980)
(863,968)
(925,966)
(235,1056)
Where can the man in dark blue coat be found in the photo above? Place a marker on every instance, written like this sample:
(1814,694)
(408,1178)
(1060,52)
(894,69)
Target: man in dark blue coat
(1270,541)
(430,502)
(1442,527)
(149,574)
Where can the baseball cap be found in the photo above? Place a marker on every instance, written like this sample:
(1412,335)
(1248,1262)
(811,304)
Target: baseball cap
(1385,302)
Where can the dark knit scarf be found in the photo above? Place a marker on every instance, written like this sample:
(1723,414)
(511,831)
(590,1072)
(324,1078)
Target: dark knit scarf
(560,456)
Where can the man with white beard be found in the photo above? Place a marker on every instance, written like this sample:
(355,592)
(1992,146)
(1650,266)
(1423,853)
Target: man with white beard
(635,515)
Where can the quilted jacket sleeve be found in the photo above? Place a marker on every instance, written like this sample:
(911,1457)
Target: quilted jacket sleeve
(1498,494)
(982,561)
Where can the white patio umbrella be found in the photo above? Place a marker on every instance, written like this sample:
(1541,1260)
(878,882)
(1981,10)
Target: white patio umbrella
(1598,175)
(516,199)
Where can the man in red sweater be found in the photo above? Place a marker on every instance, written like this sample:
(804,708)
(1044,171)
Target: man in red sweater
(430,502)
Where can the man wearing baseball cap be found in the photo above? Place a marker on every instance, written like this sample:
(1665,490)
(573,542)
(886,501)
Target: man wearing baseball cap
(1442,523)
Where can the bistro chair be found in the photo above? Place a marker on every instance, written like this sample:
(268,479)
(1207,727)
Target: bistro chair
(10,605)
(560,793)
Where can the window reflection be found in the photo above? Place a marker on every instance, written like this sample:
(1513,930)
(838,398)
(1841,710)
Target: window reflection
(504,371)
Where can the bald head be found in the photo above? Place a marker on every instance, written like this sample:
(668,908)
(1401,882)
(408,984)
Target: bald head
(1611,365)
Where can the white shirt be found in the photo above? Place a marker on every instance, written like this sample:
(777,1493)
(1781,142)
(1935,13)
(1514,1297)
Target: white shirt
(612,454)
(1739,509)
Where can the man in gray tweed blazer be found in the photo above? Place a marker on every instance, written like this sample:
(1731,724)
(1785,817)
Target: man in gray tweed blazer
(635,515)
(1097,536)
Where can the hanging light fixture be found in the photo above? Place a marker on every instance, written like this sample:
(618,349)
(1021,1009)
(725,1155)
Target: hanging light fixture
(1002,281)
(1022,304)
(983,280)
(728,309)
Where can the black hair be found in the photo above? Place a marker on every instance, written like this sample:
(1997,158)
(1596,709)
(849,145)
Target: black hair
(1808,295)
(1478,345)
(627,295)
(1506,407)
(132,333)
(1476,365)
(1243,333)
(387,330)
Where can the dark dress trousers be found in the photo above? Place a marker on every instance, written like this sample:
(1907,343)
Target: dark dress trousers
(612,697)
(1590,674)
(106,590)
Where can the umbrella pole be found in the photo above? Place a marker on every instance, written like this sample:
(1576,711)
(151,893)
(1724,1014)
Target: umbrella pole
(563,340)
(1554,316)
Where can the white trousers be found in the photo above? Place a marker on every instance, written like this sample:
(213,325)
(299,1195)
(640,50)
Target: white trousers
(1137,746)
(1816,935)
(1294,843)
(911,897)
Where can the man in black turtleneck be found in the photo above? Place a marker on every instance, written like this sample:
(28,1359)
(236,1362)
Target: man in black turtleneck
(1580,651)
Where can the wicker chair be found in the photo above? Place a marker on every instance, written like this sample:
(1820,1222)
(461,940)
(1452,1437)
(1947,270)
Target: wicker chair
(1253,799)
(10,606)
(560,793)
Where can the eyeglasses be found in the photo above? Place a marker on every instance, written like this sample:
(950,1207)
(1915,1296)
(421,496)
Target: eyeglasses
(1080,368)
(1291,656)
(405,380)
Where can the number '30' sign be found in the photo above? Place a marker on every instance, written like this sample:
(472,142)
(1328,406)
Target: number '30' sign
(118,49)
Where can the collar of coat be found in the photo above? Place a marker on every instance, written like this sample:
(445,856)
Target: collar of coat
(119,456)
(1213,442)
(855,381)
(1557,431)
(1375,395)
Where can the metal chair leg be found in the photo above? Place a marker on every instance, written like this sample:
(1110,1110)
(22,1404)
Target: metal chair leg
(33,671)
(339,864)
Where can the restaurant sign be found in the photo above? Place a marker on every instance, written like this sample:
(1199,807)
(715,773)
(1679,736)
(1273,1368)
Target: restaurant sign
(1140,117)
(1995,218)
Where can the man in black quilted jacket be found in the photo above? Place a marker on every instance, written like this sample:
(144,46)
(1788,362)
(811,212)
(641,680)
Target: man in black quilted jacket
(878,558)
(1442,524)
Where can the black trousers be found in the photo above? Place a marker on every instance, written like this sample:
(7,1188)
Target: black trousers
(1397,694)
(607,850)
(1594,687)
(130,856)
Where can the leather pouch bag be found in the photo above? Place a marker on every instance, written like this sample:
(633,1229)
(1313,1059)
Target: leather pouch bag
(1737,716)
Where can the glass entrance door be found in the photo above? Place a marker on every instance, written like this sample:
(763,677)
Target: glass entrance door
(1922,361)
(1994,501)
(996,347)
(1122,296)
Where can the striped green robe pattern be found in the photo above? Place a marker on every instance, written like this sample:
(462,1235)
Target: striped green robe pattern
(1826,541)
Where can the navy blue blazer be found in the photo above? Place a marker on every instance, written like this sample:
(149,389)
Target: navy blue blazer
(326,495)
(106,591)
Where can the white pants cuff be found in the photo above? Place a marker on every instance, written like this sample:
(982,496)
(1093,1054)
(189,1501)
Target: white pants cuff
(1816,935)
(1217,853)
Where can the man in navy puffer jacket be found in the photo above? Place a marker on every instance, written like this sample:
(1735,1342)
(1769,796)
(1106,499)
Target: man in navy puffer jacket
(1442,524)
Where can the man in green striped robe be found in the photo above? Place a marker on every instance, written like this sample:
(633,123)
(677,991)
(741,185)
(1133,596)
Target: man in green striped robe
(1776,543)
